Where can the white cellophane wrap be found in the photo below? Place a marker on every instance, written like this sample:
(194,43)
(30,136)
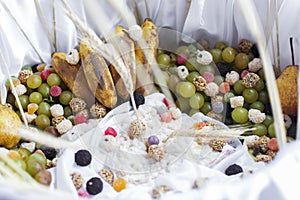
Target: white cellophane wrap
(213,20)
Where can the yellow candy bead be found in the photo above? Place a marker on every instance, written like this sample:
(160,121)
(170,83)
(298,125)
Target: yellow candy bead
(119,184)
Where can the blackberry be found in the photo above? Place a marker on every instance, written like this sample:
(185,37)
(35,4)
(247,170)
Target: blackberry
(223,68)
(83,157)
(138,98)
(233,169)
(254,51)
(256,150)
(49,152)
(268,109)
(94,186)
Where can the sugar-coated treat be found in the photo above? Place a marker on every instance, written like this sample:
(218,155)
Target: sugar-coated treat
(32,107)
(57,110)
(182,72)
(218,107)
(232,77)
(77,104)
(135,129)
(30,146)
(166,117)
(209,77)
(107,175)
(175,112)
(98,111)
(20,89)
(255,65)
(30,117)
(250,80)
(80,119)
(94,186)
(237,101)
(73,57)
(264,158)
(204,57)
(57,120)
(256,116)
(233,169)
(156,152)
(77,180)
(200,83)
(224,87)
(64,126)
(24,75)
(84,112)
(245,46)
(55,91)
(83,157)
(135,32)
(158,191)
(212,89)
(217,145)
(109,143)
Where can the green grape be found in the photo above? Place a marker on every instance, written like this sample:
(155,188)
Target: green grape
(207,68)
(26,67)
(206,108)
(258,105)
(183,50)
(34,81)
(250,95)
(240,115)
(173,80)
(192,64)
(260,85)
(44,89)
(217,55)
(71,118)
(261,74)
(192,49)
(228,54)
(67,111)
(53,79)
(227,96)
(24,100)
(183,104)
(241,61)
(187,89)
(246,105)
(238,87)
(42,121)
(271,130)
(163,60)
(268,120)
(33,166)
(196,101)
(220,45)
(21,163)
(177,87)
(193,111)
(173,59)
(172,70)
(25,153)
(160,51)
(44,108)
(35,97)
(38,158)
(259,130)
(190,77)
(263,96)
(218,79)
(65,97)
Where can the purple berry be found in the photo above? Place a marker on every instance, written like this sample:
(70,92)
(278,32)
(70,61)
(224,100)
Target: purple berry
(153,140)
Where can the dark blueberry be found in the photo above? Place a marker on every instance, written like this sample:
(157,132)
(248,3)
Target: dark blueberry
(94,186)
(49,152)
(256,150)
(255,51)
(233,169)
(268,109)
(224,68)
(83,157)
(138,98)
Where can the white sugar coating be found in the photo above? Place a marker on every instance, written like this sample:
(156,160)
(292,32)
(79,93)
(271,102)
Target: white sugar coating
(232,77)
(255,65)
(72,57)
(57,110)
(30,117)
(256,116)
(236,101)
(204,57)
(175,112)
(135,32)
(182,72)
(64,126)
(29,145)
(20,89)
(212,89)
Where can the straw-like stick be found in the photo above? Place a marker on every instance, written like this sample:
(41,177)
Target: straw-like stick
(137,13)
(252,20)
(277,36)
(269,31)
(22,30)
(187,8)
(42,16)
(13,88)
(54,25)
(147,9)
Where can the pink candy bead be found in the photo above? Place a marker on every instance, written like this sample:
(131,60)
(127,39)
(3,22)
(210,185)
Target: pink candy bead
(224,87)
(166,117)
(244,73)
(209,77)
(83,193)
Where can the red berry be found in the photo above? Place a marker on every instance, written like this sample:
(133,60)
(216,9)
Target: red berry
(181,59)
(166,117)
(110,131)
(244,73)
(45,73)
(80,119)
(55,91)
(273,145)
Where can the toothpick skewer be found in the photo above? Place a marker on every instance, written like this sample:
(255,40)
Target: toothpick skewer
(277,36)
(248,9)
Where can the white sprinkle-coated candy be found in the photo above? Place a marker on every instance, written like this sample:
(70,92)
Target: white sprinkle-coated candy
(135,32)
(64,126)
(182,72)
(57,110)
(256,116)
(218,107)
(29,145)
(232,77)
(212,89)
(255,65)
(20,89)
(175,112)
(236,101)
(204,57)
(30,117)
(109,143)
(72,57)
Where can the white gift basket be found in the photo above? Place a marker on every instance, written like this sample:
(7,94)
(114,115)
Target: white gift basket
(28,38)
